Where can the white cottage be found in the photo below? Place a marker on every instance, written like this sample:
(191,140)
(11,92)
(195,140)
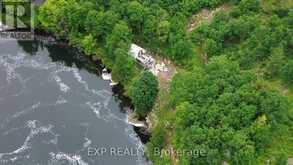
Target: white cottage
(141,56)
(135,50)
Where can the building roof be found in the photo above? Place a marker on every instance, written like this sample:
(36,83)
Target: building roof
(135,49)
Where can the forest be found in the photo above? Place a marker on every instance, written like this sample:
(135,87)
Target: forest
(232,95)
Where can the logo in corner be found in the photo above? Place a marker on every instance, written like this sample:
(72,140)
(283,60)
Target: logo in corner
(16,20)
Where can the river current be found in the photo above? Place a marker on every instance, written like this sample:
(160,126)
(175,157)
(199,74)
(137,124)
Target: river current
(56,110)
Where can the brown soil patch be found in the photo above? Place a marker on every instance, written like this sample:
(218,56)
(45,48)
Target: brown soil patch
(205,15)
(166,77)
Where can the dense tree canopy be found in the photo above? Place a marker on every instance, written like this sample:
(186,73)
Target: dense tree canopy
(246,34)
(144,92)
(287,72)
(222,107)
(219,110)
(123,69)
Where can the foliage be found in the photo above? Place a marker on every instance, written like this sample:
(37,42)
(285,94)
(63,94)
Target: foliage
(219,110)
(144,92)
(182,50)
(100,24)
(135,12)
(275,63)
(123,69)
(50,12)
(157,142)
(282,160)
(89,45)
(163,31)
(120,37)
(246,6)
(246,34)
(287,72)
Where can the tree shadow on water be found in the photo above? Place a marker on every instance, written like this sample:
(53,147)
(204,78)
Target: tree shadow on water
(62,53)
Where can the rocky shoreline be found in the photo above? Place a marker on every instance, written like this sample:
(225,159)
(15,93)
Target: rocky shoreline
(141,126)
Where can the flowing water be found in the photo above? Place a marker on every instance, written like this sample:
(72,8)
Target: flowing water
(56,110)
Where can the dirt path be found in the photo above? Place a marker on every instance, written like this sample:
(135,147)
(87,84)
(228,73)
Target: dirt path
(165,77)
(205,15)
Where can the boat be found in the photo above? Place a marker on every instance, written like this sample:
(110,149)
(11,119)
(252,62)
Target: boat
(106,75)
(113,83)
(3,27)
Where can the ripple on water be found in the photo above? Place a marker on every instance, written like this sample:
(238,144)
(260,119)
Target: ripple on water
(36,129)
(70,159)
(69,87)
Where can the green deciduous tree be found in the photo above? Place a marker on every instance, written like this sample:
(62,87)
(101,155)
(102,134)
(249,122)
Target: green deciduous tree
(136,12)
(182,51)
(50,13)
(249,5)
(163,31)
(220,110)
(100,24)
(124,66)
(144,92)
(156,143)
(212,47)
(275,63)
(287,72)
(150,27)
(120,37)
(89,45)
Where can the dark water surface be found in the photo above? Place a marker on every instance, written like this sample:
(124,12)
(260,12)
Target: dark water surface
(55,109)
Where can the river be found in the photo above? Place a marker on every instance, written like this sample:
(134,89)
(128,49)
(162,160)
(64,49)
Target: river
(56,110)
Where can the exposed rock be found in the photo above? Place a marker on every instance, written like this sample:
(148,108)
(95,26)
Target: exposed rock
(133,120)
